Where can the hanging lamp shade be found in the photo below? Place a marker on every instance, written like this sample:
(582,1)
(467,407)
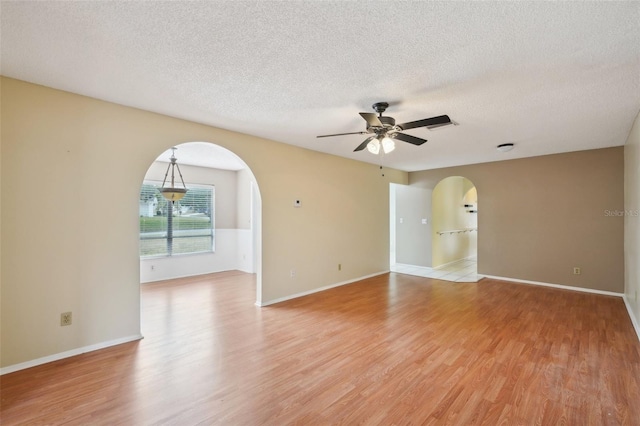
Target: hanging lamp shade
(173,192)
(374,146)
(388,145)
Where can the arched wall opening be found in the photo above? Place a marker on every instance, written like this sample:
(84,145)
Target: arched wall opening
(234,218)
(454,204)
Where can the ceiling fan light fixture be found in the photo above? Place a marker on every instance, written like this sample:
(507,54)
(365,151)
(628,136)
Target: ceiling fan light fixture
(374,146)
(505,147)
(385,131)
(388,145)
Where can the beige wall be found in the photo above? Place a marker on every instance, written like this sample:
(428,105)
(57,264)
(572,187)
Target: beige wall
(539,217)
(63,154)
(632,220)
(448,200)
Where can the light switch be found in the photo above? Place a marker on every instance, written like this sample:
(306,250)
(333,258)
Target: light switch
(424,221)
(401,220)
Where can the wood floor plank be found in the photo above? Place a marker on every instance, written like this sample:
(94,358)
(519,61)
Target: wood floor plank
(392,349)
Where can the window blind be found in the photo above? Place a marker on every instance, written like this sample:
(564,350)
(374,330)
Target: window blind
(185,227)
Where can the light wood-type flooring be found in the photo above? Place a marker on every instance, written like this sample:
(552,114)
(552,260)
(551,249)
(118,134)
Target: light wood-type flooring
(390,350)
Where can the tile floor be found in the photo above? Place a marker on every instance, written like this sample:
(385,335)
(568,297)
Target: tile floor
(462,271)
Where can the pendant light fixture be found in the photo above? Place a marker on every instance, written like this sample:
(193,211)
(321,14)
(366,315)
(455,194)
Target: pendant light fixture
(173,193)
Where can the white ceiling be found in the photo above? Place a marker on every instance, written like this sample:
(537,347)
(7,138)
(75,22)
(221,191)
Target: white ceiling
(548,76)
(204,154)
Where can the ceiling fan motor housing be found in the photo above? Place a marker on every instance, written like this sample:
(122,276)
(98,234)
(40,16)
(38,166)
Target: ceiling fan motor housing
(380,107)
(388,124)
(387,121)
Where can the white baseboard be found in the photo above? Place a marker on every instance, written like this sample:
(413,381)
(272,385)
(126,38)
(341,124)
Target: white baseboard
(444,265)
(634,320)
(67,354)
(317,290)
(406,265)
(230,247)
(563,287)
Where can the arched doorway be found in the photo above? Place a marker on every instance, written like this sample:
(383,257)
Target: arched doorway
(215,227)
(454,237)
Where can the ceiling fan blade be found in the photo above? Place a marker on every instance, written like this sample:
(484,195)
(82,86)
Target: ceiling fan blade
(438,121)
(437,126)
(342,134)
(409,138)
(372,119)
(364,144)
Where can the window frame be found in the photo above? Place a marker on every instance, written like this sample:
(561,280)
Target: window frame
(210,233)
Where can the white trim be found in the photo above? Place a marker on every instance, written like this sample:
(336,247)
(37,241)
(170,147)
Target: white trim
(563,287)
(67,354)
(224,258)
(474,258)
(317,290)
(406,265)
(634,320)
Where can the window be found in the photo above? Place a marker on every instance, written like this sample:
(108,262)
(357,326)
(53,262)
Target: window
(186,227)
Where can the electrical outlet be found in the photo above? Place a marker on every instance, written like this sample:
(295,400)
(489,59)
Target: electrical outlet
(293,273)
(65,318)
(339,266)
(576,270)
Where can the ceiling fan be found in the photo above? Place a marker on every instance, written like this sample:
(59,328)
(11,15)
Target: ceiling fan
(385,130)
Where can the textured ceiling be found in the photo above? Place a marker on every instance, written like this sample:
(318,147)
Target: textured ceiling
(204,155)
(548,76)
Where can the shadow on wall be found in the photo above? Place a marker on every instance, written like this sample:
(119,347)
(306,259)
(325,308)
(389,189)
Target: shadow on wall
(454,205)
